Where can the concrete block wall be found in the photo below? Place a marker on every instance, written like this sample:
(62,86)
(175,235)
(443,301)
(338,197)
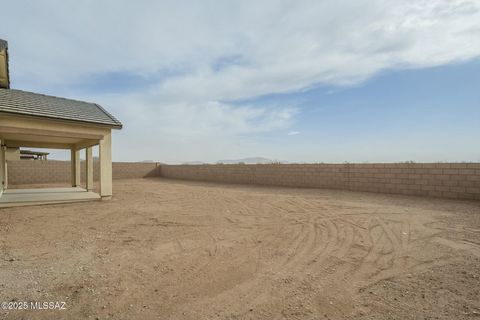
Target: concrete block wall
(51,171)
(31,172)
(444,180)
(132,170)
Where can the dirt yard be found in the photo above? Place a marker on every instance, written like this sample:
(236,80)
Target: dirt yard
(164,249)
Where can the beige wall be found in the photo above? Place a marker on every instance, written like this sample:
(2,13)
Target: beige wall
(12,154)
(51,171)
(4,69)
(446,180)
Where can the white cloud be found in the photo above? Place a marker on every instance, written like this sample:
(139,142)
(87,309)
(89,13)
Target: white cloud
(293,133)
(277,47)
(283,45)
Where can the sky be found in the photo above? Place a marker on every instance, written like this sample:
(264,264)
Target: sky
(299,81)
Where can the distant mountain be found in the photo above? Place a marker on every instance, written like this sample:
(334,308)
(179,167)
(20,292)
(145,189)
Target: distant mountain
(251,160)
(194,162)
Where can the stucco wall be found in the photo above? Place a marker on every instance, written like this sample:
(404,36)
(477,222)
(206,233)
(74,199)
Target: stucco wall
(12,154)
(446,180)
(51,171)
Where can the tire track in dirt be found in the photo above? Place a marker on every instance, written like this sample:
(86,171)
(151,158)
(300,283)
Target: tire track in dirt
(308,234)
(253,290)
(305,241)
(323,237)
(304,247)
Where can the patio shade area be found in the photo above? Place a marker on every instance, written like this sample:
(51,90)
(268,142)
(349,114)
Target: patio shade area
(16,132)
(38,121)
(34,120)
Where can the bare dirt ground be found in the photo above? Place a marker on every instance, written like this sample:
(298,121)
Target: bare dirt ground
(164,249)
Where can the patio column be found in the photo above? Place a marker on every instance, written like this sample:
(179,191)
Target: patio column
(105,153)
(3,168)
(89,168)
(75,163)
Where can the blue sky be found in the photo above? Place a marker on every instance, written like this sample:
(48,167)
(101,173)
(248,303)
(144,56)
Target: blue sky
(302,81)
(428,114)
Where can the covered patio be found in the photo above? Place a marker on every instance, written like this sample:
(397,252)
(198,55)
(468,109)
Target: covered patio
(39,121)
(23,131)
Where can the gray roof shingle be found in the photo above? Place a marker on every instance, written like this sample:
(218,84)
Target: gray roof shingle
(33,104)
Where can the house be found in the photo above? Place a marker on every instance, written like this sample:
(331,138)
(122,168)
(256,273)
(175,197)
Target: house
(35,120)
(13,154)
(33,155)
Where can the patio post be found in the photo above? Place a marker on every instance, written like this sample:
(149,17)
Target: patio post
(105,153)
(3,168)
(75,166)
(89,168)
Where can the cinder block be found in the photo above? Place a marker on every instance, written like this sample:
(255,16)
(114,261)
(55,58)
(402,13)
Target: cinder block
(450,195)
(435,171)
(451,171)
(467,172)
(476,177)
(467,183)
(458,165)
(428,188)
(442,188)
(449,182)
(443,165)
(467,196)
(421,182)
(473,190)
(458,189)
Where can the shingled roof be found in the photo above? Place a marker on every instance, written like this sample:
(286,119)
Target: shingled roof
(38,105)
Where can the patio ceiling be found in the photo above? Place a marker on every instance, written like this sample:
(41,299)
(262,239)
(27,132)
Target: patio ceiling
(42,133)
(45,138)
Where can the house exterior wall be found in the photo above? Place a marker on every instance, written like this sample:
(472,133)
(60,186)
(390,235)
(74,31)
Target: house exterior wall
(3,164)
(444,180)
(4,77)
(12,154)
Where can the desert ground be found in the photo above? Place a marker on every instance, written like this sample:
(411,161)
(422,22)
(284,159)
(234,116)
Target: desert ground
(166,249)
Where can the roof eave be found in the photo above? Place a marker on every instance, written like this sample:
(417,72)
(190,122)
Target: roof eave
(112,126)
